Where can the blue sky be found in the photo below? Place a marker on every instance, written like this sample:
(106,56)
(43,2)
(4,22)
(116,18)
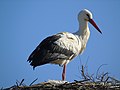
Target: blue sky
(25,23)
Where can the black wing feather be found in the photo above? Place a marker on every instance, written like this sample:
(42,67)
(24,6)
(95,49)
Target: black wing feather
(48,51)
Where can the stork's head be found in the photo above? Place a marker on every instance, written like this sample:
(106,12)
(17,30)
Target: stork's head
(86,16)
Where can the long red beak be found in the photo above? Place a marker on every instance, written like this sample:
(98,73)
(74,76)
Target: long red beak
(94,24)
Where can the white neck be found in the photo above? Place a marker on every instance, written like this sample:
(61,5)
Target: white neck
(83,31)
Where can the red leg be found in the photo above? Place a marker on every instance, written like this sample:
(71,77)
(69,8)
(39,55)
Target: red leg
(64,72)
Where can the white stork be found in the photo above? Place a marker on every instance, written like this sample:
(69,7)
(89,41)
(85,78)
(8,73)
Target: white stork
(61,48)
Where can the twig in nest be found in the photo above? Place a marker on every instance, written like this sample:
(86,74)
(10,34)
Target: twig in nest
(81,81)
(33,82)
(104,76)
(97,75)
(83,73)
(20,83)
(91,77)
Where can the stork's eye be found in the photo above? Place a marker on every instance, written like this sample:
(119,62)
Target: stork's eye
(88,16)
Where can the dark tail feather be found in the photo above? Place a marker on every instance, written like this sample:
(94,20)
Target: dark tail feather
(33,67)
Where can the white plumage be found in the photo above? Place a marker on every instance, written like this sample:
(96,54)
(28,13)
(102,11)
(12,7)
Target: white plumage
(70,42)
(61,48)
